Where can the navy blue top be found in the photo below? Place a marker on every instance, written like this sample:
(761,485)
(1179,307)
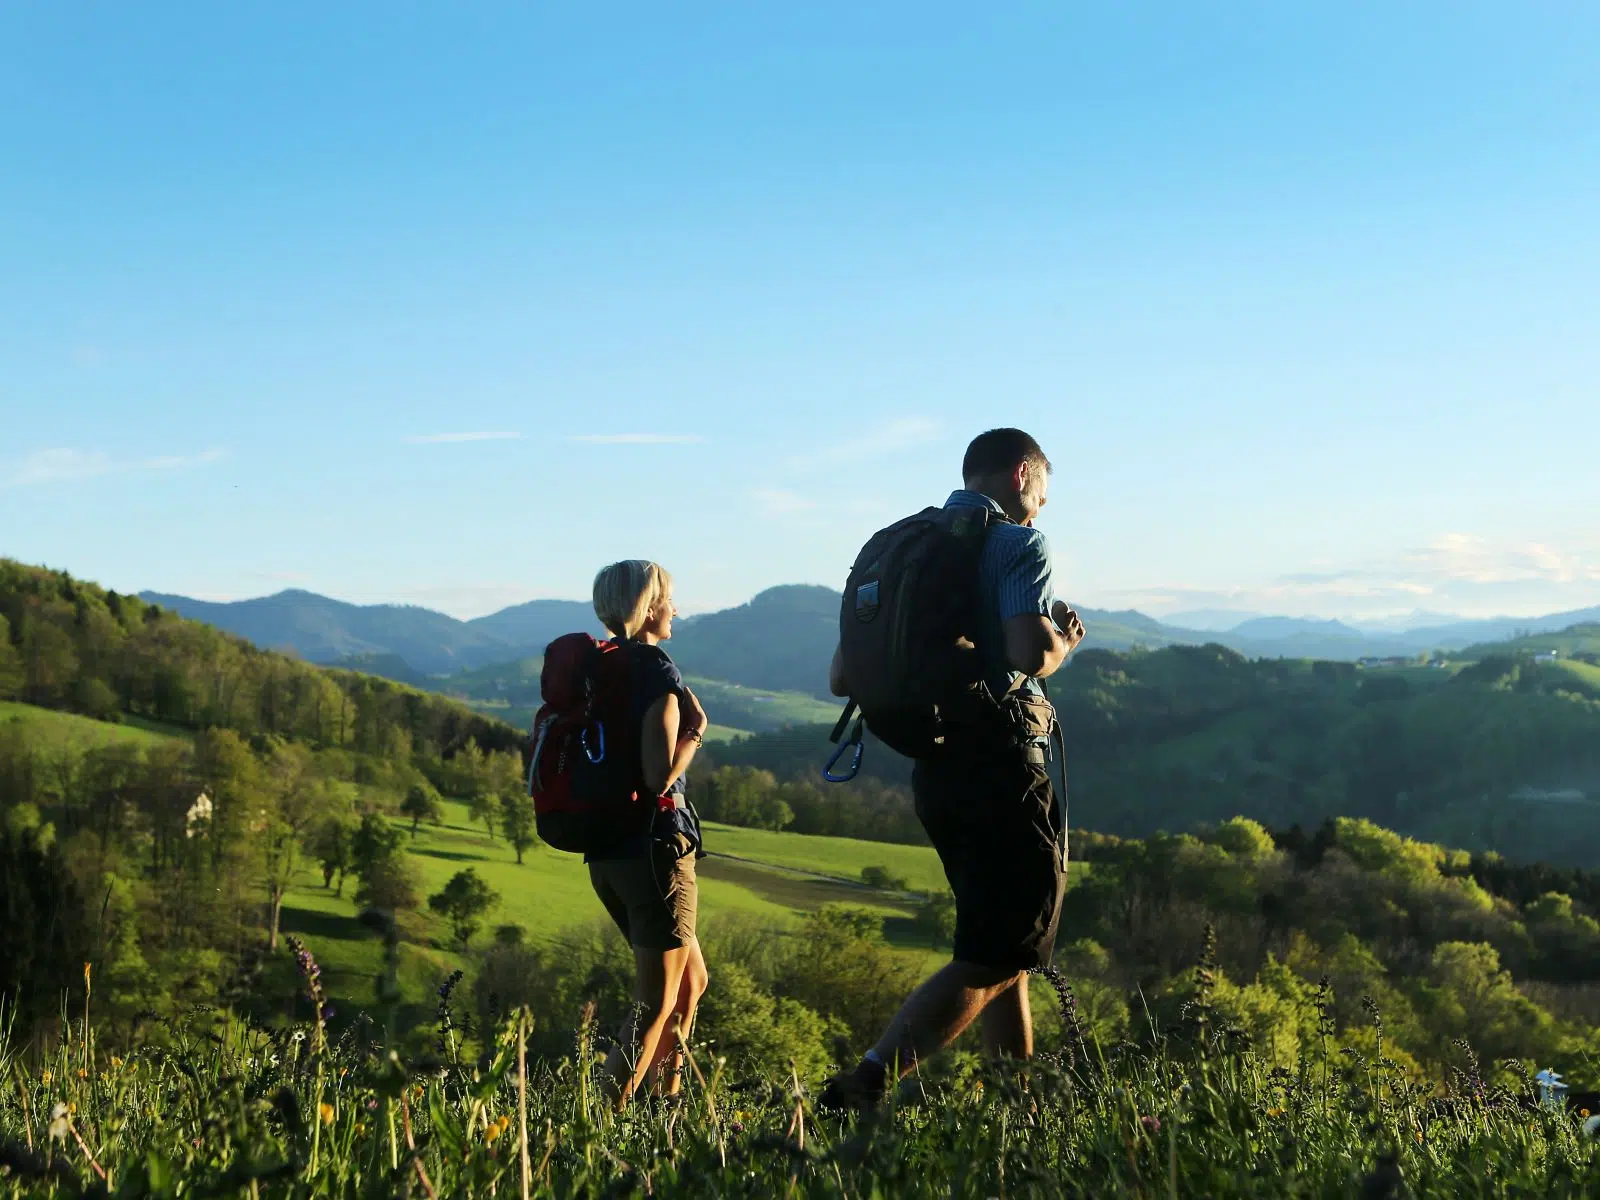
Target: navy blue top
(655,675)
(1013,579)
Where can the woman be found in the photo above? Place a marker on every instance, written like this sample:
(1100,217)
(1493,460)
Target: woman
(647,883)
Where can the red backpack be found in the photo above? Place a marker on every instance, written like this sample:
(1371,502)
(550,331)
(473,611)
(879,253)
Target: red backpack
(584,773)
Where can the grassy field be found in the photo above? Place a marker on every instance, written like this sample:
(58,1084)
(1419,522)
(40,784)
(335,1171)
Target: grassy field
(234,1110)
(841,858)
(49,728)
(773,878)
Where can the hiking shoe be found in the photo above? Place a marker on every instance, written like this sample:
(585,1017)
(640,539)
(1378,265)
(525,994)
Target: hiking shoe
(852,1091)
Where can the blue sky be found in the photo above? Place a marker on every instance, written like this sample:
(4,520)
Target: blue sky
(1301,299)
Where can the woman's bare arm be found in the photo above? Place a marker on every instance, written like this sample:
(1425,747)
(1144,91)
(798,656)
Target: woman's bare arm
(666,747)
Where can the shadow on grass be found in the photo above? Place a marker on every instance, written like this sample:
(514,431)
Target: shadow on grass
(451,855)
(803,892)
(905,933)
(320,924)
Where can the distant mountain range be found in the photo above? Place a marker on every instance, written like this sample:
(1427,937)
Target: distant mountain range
(781,640)
(369,636)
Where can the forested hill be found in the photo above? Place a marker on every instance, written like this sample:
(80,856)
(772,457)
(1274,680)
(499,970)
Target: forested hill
(1502,755)
(69,644)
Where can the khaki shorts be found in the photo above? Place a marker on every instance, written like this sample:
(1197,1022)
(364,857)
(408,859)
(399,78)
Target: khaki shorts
(653,897)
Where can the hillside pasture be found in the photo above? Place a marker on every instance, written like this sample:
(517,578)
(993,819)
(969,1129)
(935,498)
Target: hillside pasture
(53,729)
(770,878)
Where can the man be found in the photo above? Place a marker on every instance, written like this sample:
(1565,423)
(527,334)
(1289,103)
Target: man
(988,804)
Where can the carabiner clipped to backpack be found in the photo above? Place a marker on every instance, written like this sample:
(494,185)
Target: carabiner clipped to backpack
(853,743)
(596,756)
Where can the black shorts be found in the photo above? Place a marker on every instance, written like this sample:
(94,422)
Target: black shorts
(995,822)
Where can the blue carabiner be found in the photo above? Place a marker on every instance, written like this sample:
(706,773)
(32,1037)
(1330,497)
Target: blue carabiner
(855,763)
(853,743)
(595,756)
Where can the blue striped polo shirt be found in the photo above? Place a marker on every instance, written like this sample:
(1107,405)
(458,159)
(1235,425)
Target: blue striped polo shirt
(1013,579)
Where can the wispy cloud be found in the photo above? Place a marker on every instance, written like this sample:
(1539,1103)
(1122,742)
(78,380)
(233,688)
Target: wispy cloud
(431,439)
(638,439)
(60,465)
(879,440)
(1461,573)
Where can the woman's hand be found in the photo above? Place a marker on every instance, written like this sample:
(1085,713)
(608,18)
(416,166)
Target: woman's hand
(692,717)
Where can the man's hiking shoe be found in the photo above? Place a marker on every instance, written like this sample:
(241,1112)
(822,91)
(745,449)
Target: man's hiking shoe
(852,1091)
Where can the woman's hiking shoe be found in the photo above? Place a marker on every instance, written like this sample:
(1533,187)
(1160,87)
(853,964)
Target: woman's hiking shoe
(860,1089)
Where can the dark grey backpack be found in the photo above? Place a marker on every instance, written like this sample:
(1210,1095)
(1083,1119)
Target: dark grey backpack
(907,631)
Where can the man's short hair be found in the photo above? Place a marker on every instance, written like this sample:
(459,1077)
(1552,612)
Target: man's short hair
(998,451)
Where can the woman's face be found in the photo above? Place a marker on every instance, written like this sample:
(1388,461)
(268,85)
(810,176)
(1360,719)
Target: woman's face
(659,621)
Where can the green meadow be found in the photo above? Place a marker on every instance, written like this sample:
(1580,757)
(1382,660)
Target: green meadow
(50,729)
(770,878)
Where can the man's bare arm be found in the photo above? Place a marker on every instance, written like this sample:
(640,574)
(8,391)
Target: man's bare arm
(1036,646)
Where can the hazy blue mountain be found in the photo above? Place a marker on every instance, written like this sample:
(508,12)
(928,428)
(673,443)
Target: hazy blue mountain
(1405,622)
(323,630)
(536,624)
(781,640)
(1212,620)
(1271,629)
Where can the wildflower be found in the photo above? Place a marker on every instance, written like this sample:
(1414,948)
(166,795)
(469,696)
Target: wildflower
(83,1073)
(273,1061)
(45,1077)
(1275,1113)
(1551,1087)
(117,1063)
(495,1129)
(325,1111)
(1583,1112)
(299,1036)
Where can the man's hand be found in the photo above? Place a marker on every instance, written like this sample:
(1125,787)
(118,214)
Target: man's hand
(692,718)
(1069,623)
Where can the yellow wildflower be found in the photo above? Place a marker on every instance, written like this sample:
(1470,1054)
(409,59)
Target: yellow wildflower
(1583,1112)
(496,1129)
(45,1077)
(1274,1113)
(83,1073)
(115,1061)
(325,1111)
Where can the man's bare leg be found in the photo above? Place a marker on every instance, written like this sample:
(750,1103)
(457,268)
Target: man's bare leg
(1008,1023)
(940,1010)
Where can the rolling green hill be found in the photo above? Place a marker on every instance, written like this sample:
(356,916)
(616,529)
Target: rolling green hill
(1574,640)
(1502,754)
(510,691)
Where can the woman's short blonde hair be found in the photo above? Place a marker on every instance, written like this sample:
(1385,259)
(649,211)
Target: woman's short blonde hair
(625,592)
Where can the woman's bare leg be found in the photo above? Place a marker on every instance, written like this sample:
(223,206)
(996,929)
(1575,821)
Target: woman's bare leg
(690,989)
(660,978)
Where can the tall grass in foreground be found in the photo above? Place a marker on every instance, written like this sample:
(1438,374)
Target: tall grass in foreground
(222,1108)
